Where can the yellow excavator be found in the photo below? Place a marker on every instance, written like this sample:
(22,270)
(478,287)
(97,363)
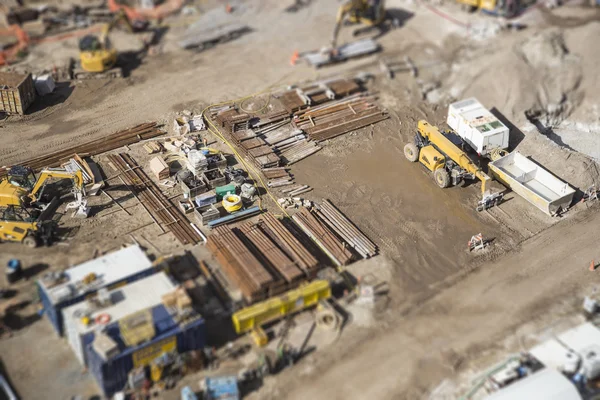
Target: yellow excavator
(366,12)
(501,8)
(449,164)
(22,203)
(97,57)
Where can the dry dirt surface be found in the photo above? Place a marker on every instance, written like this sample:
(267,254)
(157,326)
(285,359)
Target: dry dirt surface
(446,304)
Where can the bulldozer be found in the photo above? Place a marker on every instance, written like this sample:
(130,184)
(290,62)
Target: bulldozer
(366,12)
(448,163)
(97,57)
(23,204)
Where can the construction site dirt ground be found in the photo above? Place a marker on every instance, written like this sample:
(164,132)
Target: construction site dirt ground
(446,307)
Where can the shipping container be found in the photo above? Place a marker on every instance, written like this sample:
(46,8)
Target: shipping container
(111,271)
(17,92)
(171,336)
(533,183)
(141,295)
(477,126)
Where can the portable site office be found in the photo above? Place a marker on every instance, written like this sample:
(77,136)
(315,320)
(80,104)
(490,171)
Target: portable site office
(140,295)
(171,336)
(110,271)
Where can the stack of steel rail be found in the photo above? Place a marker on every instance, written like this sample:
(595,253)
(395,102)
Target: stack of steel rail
(270,254)
(299,151)
(345,229)
(290,244)
(240,265)
(95,147)
(153,200)
(327,241)
(338,117)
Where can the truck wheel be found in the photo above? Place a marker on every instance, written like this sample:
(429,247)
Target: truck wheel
(442,178)
(30,242)
(411,152)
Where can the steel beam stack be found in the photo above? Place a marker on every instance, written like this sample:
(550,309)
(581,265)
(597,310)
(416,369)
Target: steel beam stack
(327,241)
(95,147)
(346,229)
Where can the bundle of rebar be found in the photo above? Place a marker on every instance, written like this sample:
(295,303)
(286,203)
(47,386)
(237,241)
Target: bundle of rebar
(345,229)
(327,241)
(95,147)
(160,209)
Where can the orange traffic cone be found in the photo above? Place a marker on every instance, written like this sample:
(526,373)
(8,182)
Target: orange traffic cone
(228,8)
(592,266)
(294,58)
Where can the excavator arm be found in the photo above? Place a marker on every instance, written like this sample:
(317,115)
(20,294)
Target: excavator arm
(46,174)
(344,10)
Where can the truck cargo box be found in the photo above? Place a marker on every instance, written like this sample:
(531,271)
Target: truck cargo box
(477,126)
(532,182)
(17,92)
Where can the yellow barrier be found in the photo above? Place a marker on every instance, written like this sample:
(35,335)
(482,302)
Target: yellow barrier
(273,309)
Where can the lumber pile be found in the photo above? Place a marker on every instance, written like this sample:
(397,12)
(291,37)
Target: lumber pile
(94,147)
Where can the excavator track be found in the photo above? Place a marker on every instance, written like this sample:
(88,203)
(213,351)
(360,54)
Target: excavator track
(114,73)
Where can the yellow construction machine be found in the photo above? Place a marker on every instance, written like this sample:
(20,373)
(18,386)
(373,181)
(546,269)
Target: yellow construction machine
(449,164)
(97,57)
(366,12)
(501,8)
(22,203)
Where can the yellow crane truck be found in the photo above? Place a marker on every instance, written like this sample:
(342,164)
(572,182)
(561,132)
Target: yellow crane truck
(448,163)
(22,206)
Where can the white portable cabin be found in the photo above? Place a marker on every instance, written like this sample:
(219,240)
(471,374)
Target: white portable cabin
(126,300)
(477,126)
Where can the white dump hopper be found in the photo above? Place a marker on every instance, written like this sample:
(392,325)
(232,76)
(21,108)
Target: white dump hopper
(477,126)
(532,182)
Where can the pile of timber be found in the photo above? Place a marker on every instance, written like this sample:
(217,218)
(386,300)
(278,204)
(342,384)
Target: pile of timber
(338,117)
(94,147)
(345,229)
(161,210)
(324,237)
(277,177)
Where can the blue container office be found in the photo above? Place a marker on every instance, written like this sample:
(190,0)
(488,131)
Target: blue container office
(112,374)
(111,271)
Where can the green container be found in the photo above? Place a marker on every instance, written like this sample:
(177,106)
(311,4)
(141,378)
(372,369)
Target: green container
(223,191)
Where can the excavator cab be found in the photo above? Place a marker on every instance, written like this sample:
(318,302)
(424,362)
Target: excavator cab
(22,177)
